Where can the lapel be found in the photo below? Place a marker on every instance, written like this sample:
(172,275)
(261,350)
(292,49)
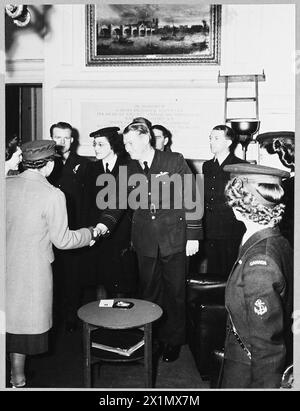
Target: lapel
(98,167)
(155,162)
(72,161)
(228,160)
(115,170)
(135,167)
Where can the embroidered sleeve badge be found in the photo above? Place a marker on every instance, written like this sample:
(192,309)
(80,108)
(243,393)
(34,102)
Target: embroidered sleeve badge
(260,307)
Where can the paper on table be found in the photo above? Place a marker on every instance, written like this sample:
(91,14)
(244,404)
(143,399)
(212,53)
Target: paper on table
(106,303)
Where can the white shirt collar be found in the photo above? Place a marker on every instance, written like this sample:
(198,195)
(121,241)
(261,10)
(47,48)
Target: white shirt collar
(221,158)
(149,158)
(111,162)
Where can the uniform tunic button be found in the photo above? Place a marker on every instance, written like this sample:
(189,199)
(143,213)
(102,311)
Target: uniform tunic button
(240,261)
(153,217)
(149,194)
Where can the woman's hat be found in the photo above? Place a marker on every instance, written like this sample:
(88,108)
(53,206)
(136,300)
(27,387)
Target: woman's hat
(268,138)
(105,132)
(38,150)
(253,173)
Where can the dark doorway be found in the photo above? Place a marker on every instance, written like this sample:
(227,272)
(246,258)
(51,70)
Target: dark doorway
(24,111)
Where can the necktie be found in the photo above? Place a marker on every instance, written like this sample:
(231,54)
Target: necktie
(107,170)
(146,168)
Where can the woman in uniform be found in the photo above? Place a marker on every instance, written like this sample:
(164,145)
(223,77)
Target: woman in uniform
(109,266)
(259,291)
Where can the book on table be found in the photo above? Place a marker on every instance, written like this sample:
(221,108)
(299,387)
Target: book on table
(122,351)
(122,342)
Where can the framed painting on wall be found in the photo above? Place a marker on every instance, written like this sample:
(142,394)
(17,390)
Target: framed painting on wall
(125,34)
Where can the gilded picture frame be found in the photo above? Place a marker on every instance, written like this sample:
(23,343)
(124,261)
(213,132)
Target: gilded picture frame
(143,34)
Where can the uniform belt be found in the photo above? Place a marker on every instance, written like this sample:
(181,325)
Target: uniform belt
(239,340)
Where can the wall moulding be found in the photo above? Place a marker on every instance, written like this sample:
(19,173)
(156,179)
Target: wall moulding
(25,70)
(160,84)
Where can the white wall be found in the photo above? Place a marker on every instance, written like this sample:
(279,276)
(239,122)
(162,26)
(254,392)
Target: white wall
(186,99)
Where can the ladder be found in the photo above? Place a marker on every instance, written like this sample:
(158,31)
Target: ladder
(241,78)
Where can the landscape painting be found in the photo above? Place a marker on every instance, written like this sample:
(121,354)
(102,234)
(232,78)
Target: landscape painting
(153,33)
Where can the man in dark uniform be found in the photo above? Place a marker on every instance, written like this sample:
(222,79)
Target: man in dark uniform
(222,232)
(163,137)
(259,291)
(161,236)
(67,175)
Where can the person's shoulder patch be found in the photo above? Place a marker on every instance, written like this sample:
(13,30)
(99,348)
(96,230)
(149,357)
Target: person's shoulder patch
(257,262)
(260,307)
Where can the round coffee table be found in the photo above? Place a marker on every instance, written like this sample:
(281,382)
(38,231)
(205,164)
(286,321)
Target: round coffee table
(142,314)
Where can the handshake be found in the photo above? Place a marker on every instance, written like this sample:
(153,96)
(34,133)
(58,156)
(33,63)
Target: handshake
(97,232)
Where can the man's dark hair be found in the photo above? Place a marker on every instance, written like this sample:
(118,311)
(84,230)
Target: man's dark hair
(166,133)
(62,125)
(229,133)
(116,143)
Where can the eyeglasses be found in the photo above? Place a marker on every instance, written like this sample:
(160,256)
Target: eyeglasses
(99,144)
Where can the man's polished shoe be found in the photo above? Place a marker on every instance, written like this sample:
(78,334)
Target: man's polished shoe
(171,353)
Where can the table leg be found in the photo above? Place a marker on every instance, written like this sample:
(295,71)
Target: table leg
(148,355)
(87,355)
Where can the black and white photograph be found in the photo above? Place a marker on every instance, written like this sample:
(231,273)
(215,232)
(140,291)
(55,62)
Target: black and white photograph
(148,199)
